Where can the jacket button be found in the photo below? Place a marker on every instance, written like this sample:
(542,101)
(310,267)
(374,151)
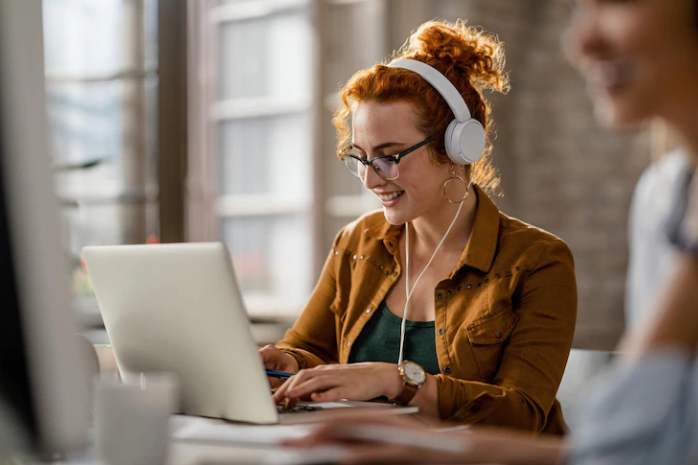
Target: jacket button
(362,257)
(442,332)
(369,309)
(381,267)
(498,334)
(354,257)
(336,253)
(447,370)
(448,292)
(439,296)
(348,344)
(469,286)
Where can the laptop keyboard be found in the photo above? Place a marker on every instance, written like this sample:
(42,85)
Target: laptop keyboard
(297,408)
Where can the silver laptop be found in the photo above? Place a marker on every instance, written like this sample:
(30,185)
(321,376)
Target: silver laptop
(178,308)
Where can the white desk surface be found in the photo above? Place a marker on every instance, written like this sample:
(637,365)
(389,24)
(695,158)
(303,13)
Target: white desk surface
(199,454)
(208,441)
(185,453)
(204,454)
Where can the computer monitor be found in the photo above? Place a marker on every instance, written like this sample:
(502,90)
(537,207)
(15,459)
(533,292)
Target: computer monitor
(43,394)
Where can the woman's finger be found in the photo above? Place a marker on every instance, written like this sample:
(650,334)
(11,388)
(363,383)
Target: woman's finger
(331,395)
(291,383)
(289,403)
(313,385)
(280,393)
(275,359)
(270,356)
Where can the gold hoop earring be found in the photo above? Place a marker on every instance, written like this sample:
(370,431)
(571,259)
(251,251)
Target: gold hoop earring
(455,177)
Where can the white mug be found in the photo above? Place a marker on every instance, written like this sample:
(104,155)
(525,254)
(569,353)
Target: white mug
(132,418)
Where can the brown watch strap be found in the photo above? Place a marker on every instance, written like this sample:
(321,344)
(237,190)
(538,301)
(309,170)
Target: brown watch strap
(406,395)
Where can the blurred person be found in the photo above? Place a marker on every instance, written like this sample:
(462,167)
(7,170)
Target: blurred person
(640,58)
(484,303)
(652,255)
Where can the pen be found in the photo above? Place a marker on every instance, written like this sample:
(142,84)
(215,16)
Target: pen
(282,375)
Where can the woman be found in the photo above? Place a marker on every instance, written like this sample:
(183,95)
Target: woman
(439,301)
(640,58)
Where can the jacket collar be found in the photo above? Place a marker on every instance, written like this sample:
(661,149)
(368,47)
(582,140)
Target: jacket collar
(482,246)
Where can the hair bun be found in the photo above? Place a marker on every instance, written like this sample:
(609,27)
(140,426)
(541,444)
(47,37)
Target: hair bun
(468,50)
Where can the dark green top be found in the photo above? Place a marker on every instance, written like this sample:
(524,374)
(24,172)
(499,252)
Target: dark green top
(379,341)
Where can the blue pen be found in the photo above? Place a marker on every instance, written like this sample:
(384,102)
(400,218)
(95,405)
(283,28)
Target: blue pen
(282,375)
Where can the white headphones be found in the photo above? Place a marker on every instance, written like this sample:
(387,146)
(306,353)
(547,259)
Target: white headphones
(465,137)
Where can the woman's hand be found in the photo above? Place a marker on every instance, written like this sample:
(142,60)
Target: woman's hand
(349,433)
(275,359)
(355,381)
(472,445)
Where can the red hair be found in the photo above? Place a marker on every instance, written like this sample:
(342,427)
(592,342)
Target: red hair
(470,58)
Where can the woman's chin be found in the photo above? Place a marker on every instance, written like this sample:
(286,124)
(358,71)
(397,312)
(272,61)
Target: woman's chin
(394,217)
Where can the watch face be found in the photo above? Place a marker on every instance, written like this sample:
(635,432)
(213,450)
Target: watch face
(414,373)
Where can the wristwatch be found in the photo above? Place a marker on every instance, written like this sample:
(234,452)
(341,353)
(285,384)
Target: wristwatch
(413,377)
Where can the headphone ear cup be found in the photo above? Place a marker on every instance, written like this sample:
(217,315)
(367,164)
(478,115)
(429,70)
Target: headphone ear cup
(464,142)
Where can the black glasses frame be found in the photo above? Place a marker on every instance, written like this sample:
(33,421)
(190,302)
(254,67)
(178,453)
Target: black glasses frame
(396,158)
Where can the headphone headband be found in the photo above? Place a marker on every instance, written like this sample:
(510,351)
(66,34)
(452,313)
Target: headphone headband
(464,139)
(442,85)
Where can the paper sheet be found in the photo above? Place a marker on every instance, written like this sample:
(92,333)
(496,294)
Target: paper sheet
(208,430)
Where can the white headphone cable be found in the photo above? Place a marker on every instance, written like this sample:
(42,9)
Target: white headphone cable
(408,293)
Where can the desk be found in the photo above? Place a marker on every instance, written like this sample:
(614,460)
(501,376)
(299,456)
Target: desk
(198,454)
(195,451)
(216,442)
(205,441)
(197,439)
(191,454)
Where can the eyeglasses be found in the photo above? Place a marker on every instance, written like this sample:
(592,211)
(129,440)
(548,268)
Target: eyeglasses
(385,166)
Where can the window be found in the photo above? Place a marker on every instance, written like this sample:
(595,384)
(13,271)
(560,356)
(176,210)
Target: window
(101,96)
(266,73)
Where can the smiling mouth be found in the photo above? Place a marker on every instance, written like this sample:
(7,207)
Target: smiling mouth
(610,74)
(391,196)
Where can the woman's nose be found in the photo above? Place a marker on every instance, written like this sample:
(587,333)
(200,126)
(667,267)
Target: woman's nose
(371,179)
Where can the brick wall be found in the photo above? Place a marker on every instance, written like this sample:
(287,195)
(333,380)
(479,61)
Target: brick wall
(560,170)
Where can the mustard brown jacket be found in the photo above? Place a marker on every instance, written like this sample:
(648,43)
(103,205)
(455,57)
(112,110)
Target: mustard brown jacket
(504,317)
